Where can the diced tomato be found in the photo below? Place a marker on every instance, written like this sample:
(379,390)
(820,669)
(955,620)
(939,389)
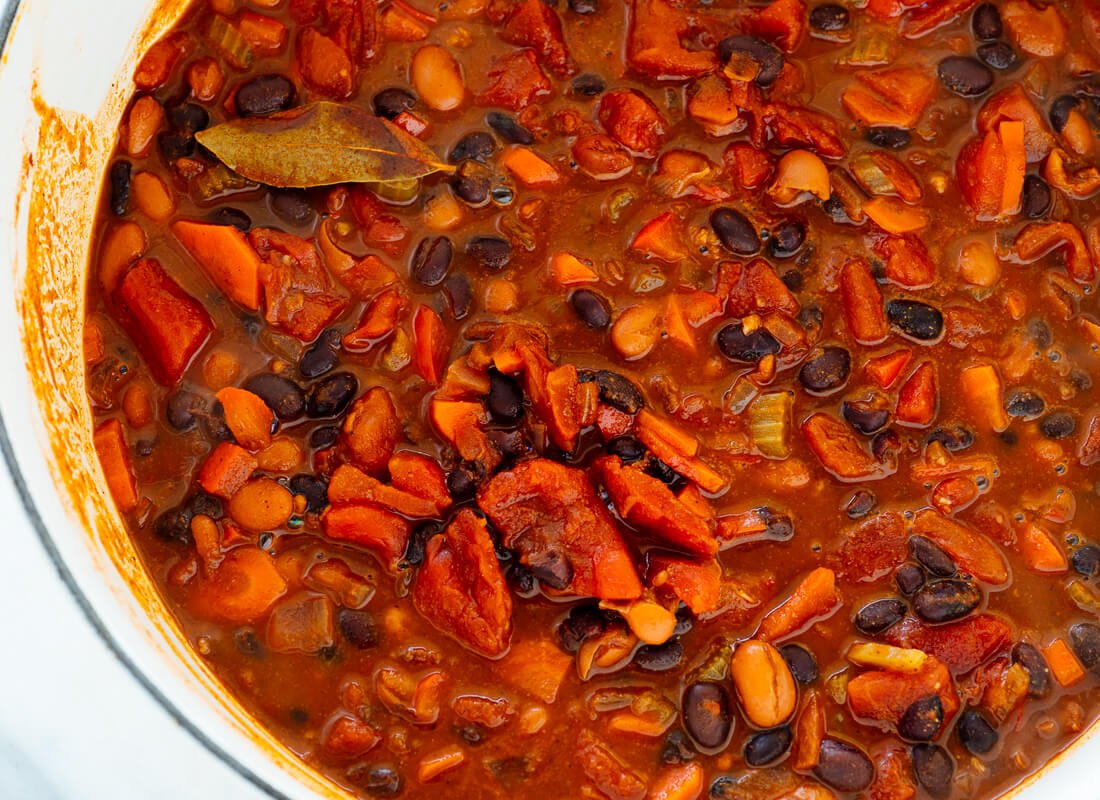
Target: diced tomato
(783,22)
(961,645)
(430,345)
(460,588)
(862,301)
(754,288)
(840,450)
(534,24)
(631,119)
(420,475)
(886,369)
(749,167)
(919,397)
(379,530)
(662,238)
(1013,103)
(515,81)
(885,696)
(971,550)
(697,584)
(325,66)
(907,261)
(871,550)
(654,46)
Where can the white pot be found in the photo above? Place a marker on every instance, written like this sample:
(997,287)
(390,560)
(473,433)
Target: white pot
(64,81)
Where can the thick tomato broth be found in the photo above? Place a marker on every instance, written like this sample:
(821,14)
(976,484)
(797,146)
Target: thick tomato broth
(722,342)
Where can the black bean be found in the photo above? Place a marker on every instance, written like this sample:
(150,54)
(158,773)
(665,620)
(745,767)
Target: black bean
(946,599)
(734,231)
(553,568)
(658,469)
(617,390)
(313,488)
(188,118)
(463,480)
(915,319)
(736,345)
(1058,425)
(801,662)
(591,308)
(322,356)
(1084,637)
(227,215)
(1059,111)
(182,409)
(1081,380)
(505,399)
(793,280)
(826,371)
(787,238)
(975,732)
(583,622)
(174,146)
(358,627)
(998,55)
(331,395)
(491,252)
(1086,560)
(684,620)
(390,102)
(886,445)
(508,128)
(174,525)
(431,260)
(292,206)
(843,766)
(829,17)
(588,85)
(933,768)
(954,438)
(767,746)
(1039,680)
(922,719)
(280,394)
(1025,404)
(459,295)
(879,616)
(778,527)
(909,578)
(248,642)
(860,504)
(264,94)
(965,76)
(120,187)
(1037,197)
(866,416)
(377,780)
(726,787)
(676,749)
(893,138)
(627,448)
(583,6)
(660,657)
(767,56)
(476,146)
(325,436)
(1040,333)
(705,711)
(986,23)
(417,546)
(810,317)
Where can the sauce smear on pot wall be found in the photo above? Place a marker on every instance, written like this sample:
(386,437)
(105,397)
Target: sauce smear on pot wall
(618,400)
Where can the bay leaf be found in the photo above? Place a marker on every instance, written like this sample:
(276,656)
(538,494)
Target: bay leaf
(320,144)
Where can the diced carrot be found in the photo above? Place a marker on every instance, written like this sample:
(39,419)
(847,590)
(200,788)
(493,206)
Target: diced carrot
(919,398)
(267,35)
(166,322)
(886,369)
(350,485)
(862,301)
(1013,103)
(677,449)
(537,667)
(226,470)
(1039,550)
(682,782)
(420,475)
(840,451)
(434,764)
(459,422)
(378,322)
(529,167)
(1064,666)
(382,532)
(93,342)
(783,22)
(114,458)
(871,111)
(430,345)
(1040,238)
(568,270)
(661,238)
(157,64)
(248,417)
(349,737)
(929,16)
(676,326)
(655,427)
(398,25)
(228,259)
(981,384)
(894,216)
(809,732)
(814,598)
(1011,133)
(244,586)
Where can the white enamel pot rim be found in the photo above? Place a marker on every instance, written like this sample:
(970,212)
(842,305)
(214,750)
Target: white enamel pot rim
(77,56)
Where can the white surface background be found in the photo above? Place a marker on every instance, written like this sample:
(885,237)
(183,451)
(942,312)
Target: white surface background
(74,724)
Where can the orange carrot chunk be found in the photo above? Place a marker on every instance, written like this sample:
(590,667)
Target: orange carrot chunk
(814,598)
(226,256)
(226,470)
(114,457)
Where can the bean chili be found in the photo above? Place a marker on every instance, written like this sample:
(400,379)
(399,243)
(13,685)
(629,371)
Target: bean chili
(646,399)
